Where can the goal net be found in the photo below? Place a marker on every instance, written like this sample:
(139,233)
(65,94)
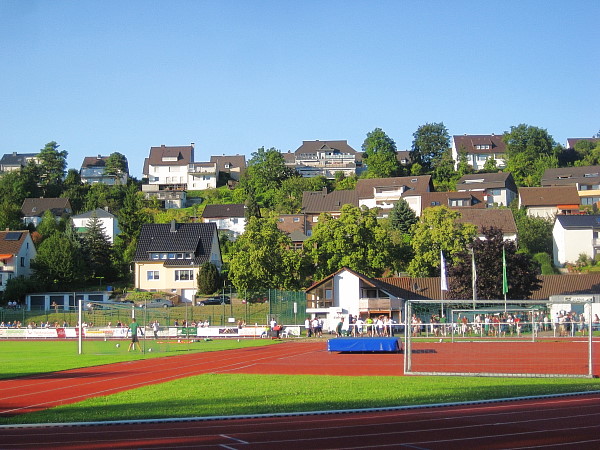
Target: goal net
(497,338)
(106,329)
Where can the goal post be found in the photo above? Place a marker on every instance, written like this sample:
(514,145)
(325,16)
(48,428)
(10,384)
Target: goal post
(516,338)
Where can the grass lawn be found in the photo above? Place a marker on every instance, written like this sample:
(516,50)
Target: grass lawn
(232,394)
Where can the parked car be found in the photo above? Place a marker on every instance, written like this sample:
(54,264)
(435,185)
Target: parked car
(156,303)
(214,300)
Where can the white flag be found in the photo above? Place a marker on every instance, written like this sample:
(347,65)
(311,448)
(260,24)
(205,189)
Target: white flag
(444,280)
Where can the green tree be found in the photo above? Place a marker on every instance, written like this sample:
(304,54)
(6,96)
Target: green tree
(402,217)
(463,166)
(588,153)
(380,154)
(58,263)
(264,258)
(444,175)
(346,183)
(264,175)
(521,270)
(97,250)
(430,142)
(53,164)
(528,149)
(17,288)
(48,226)
(74,190)
(535,233)
(438,229)
(355,240)
(288,198)
(10,215)
(208,279)
(116,165)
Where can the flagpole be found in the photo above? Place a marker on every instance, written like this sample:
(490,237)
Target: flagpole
(504,277)
(473,277)
(443,281)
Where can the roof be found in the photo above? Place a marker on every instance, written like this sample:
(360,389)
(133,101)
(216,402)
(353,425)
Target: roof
(196,238)
(584,283)
(548,196)
(314,146)
(224,211)
(571,142)
(571,175)
(98,212)
(365,186)
(35,207)
(234,161)
(579,221)
(320,201)
(475,198)
(502,219)
(482,181)
(13,244)
(183,155)
(94,161)
(470,142)
(16,159)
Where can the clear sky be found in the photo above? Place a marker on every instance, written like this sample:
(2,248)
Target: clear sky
(232,76)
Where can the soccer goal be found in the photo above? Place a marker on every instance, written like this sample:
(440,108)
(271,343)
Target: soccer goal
(497,338)
(105,328)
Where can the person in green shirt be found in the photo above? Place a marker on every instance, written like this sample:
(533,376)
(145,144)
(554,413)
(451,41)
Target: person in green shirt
(133,329)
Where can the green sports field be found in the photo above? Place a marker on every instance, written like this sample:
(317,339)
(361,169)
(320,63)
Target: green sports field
(234,394)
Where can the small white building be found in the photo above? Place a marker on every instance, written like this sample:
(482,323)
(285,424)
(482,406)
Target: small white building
(109,222)
(575,235)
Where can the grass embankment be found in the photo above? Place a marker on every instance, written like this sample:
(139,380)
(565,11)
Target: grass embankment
(234,394)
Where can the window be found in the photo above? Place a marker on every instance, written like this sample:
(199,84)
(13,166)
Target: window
(296,219)
(435,203)
(184,275)
(22,261)
(495,191)
(152,275)
(458,202)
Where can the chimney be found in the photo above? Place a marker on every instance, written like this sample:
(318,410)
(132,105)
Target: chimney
(173,226)
(193,144)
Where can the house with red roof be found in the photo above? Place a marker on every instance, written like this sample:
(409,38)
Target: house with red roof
(16,253)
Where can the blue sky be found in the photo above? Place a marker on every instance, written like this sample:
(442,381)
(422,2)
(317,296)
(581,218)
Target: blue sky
(232,76)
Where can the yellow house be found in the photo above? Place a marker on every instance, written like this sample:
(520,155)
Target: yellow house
(168,257)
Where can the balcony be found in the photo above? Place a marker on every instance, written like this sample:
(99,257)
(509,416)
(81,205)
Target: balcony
(369,305)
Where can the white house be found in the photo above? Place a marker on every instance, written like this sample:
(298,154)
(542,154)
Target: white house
(479,148)
(575,235)
(109,222)
(347,292)
(16,253)
(230,218)
(499,188)
(382,193)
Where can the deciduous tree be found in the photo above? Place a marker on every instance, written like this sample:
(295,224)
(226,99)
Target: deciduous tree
(430,142)
(380,154)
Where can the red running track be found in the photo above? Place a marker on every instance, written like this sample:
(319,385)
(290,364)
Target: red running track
(568,422)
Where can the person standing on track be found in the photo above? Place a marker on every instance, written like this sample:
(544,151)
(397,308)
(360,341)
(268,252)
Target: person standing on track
(133,329)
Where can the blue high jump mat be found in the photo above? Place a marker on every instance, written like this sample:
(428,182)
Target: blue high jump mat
(364,344)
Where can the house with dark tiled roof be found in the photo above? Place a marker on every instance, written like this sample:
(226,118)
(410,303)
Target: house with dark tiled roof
(16,253)
(585,178)
(108,221)
(453,200)
(575,235)
(325,158)
(168,257)
(502,219)
(572,142)
(314,203)
(231,165)
(479,148)
(382,193)
(34,208)
(404,157)
(230,218)
(295,226)
(16,161)
(499,188)
(93,170)
(547,202)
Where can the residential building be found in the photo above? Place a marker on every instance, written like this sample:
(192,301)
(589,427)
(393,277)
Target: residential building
(547,202)
(382,193)
(230,165)
(485,218)
(574,236)
(479,148)
(168,257)
(585,178)
(34,208)
(347,292)
(93,170)
(404,157)
(499,188)
(108,221)
(571,142)
(229,218)
(314,203)
(201,176)
(295,226)
(453,200)
(16,161)
(16,253)
(326,158)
